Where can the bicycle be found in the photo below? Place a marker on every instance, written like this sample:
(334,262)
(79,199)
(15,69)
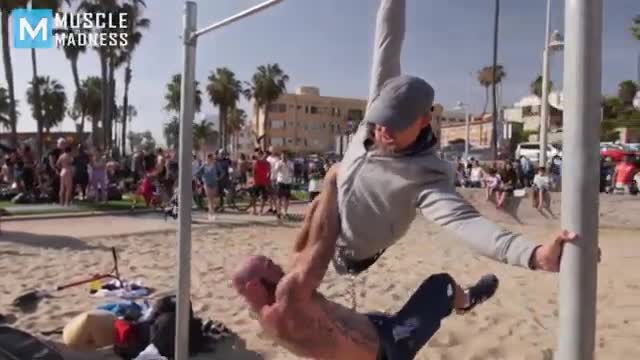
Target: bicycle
(236,197)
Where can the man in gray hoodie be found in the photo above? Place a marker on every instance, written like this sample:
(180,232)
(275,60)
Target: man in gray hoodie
(389,173)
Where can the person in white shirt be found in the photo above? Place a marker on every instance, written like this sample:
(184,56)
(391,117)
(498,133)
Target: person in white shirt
(541,186)
(283,170)
(316,176)
(272,159)
(476,175)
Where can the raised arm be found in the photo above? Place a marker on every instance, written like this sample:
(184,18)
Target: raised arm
(447,208)
(387,46)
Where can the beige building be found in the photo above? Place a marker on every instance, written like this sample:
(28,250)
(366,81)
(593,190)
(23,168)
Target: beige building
(527,112)
(307,122)
(479,132)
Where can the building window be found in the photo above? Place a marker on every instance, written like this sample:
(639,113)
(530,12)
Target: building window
(277,141)
(306,109)
(278,108)
(305,143)
(355,114)
(290,141)
(313,110)
(278,124)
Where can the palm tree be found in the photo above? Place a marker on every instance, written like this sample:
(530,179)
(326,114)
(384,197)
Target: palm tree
(6,6)
(203,132)
(72,52)
(53,105)
(267,85)
(485,78)
(171,132)
(536,86)
(5,108)
(224,91)
(172,97)
(626,92)
(236,120)
(135,23)
(635,27)
(55,6)
(90,105)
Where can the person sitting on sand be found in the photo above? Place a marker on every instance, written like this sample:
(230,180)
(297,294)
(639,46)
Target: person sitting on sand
(541,186)
(509,179)
(368,203)
(493,185)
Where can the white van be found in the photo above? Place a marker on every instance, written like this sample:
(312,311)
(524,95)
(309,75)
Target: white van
(531,150)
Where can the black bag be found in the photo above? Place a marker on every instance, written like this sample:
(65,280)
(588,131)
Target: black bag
(163,328)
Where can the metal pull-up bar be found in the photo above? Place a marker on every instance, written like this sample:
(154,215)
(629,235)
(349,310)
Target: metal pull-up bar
(187,113)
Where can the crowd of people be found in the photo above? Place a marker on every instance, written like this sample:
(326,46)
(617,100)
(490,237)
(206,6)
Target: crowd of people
(62,175)
(501,180)
(269,175)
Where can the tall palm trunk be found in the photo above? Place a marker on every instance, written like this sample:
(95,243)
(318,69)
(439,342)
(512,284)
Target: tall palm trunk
(104,88)
(267,127)
(76,77)
(36,102)
(494,120)
(110,102)
(8,70)
(125,106)
(82,117)
(486,100)
(223,126)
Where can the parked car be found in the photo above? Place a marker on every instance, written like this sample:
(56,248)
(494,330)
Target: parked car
(615,151)
(531,150)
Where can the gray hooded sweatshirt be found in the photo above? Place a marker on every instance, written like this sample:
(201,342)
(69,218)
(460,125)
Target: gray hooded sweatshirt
(378,194)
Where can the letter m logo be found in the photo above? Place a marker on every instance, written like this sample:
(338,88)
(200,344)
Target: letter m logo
(32,28)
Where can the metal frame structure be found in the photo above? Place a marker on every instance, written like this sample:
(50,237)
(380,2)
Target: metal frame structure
(187,111)
(582,83)
(581,159)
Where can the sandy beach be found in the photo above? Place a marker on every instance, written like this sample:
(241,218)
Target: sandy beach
(519,323)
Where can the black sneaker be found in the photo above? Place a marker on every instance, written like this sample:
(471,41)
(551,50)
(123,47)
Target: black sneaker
(482,291)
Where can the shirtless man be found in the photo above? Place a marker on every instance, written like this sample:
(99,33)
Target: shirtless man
(389,173)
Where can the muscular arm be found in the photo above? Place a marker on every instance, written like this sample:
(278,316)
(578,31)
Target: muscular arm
(390,29)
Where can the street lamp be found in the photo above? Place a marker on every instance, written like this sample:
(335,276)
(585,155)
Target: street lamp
(462,106)
(187,101)
(553,42)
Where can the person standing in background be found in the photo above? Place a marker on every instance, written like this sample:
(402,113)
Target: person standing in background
(272,159)
(81,171)
(316,176)
(284,179)
(99,176)
(29,166)
(52,170)
(243,166)
(208,172)
(261,181)
(223,164)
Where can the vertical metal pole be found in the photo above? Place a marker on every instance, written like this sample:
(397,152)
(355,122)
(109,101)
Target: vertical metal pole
(187,105)
(582,89)
(467,130)
(494,118)
(544,102)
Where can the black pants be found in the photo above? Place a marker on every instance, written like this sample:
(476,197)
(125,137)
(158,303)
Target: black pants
(402,335)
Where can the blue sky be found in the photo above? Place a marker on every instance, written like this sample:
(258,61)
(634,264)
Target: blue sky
(328,43)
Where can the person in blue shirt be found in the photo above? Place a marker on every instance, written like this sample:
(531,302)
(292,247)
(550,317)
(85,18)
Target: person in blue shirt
(208,172)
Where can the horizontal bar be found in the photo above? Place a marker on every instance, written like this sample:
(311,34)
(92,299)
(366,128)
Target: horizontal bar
(236,17)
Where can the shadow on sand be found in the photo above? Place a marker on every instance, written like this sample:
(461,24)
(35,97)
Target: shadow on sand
(233,348)
(48,241)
